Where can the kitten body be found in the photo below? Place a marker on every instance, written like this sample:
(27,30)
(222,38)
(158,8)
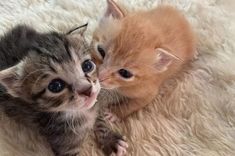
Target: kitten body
(139,51)
(48,92)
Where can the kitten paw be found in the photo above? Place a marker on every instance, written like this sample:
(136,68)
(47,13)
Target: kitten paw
(121,148)
(115,145)
(111,117)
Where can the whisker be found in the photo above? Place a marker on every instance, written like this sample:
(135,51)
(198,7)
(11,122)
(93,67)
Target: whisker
(40,64)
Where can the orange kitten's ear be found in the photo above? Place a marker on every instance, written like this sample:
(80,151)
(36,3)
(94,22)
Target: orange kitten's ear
(164,59)
(9,79)
(113,10)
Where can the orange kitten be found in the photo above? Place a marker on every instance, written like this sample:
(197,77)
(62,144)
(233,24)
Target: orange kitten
(138,51)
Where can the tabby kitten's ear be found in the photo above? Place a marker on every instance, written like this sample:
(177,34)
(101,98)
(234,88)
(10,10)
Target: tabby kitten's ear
(78,30)
(113,10)
(9,78)
(164,59)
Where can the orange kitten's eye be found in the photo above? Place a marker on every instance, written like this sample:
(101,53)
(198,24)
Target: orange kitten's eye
(101,51)
(125,73)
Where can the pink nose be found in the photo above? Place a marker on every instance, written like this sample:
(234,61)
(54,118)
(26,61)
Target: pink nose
(85,90)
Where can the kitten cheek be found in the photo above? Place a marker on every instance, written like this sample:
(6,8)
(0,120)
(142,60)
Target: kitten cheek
(108,85)
(70,105)
(78,101)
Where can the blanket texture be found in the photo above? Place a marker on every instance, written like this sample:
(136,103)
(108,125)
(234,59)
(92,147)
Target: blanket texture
(194,113)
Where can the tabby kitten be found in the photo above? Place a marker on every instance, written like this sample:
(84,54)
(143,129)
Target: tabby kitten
(139,51)
(49,85)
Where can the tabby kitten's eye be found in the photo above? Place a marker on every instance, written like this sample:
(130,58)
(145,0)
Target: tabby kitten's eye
(101,51)
(88,66)
(56,85)
(125,73)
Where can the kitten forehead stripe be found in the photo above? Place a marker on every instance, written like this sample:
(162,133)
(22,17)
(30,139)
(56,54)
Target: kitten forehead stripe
(38,95)
(52,69)
(45,76)
(66,45)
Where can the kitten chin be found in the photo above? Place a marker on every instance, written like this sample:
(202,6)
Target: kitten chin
(137,52)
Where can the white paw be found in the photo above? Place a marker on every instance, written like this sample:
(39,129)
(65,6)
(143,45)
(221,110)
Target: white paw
(110,116)
(121,148)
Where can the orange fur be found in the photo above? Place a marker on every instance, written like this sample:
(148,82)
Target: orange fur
(153,45)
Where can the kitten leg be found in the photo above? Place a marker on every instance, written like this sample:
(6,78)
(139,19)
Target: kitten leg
(109,116)
(109,141)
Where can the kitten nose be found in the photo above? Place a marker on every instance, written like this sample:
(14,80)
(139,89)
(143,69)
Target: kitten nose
(85,90)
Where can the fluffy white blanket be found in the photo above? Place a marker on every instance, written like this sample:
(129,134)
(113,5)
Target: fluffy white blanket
(195,113)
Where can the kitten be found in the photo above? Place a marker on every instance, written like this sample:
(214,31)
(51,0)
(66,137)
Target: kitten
(49,88)
(136,52)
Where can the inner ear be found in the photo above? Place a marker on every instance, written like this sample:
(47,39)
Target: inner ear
(80,30)
(113,10)
(9,78)
(164,59)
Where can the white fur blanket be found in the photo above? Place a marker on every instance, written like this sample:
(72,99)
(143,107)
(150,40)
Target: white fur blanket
(195,113)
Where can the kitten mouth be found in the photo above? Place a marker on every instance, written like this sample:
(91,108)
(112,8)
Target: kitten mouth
(91,100)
